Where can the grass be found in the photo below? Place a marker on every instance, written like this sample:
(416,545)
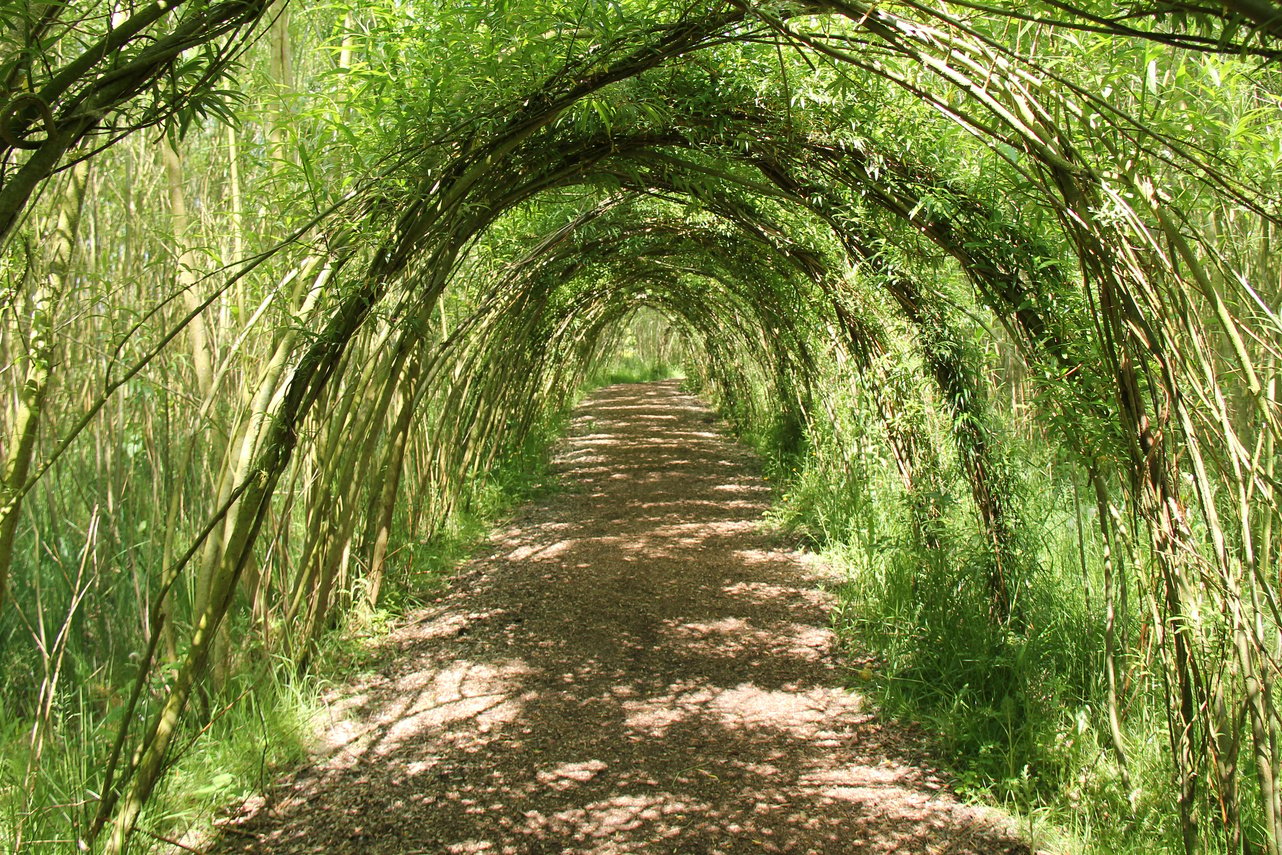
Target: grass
(262,719)
(1018,714)
(631,369)
(1018,711)
(264,727)
(260,728)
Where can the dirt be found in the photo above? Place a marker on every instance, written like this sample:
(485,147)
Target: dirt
(632,664)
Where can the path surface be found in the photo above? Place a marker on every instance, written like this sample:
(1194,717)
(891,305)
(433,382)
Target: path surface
(631,666)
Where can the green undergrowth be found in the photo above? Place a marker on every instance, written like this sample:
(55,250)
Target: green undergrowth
(260,726)
(421,570)
(1016,711)
(261,717)
(631,369)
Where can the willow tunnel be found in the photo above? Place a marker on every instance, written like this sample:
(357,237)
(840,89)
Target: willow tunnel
(919,238)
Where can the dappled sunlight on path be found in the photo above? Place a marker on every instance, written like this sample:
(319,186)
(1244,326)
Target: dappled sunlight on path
(632,666)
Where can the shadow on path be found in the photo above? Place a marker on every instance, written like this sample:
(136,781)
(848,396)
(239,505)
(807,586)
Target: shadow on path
(631,667)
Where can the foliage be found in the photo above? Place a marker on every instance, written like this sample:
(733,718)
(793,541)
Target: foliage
(291,292)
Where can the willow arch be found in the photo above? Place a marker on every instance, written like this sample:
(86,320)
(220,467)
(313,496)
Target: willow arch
(664,177)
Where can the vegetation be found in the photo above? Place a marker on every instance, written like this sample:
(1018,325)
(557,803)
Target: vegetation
(290,291)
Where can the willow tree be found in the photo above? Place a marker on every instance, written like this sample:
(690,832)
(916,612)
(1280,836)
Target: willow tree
(837,205)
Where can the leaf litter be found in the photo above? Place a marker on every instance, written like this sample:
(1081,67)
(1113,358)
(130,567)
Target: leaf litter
(632,664)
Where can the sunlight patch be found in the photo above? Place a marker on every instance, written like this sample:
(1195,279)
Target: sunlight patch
(732,637)
(540,552)
(567,775)
(605,819)
(463,692)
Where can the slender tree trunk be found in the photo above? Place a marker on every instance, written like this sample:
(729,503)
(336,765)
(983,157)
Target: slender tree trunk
(1103,511)
(236,306)
(282,73)
(186,261)
(38,359)
(384,510)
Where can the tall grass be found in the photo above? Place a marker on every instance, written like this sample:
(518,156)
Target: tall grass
(47,807)
(1016,711)
(260,722)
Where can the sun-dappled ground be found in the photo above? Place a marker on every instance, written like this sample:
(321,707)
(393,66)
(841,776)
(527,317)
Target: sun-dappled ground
(631,665)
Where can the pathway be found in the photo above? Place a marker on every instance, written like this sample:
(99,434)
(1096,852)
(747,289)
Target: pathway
(631,666)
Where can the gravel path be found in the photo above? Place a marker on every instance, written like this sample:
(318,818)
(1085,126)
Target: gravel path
(630,666)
